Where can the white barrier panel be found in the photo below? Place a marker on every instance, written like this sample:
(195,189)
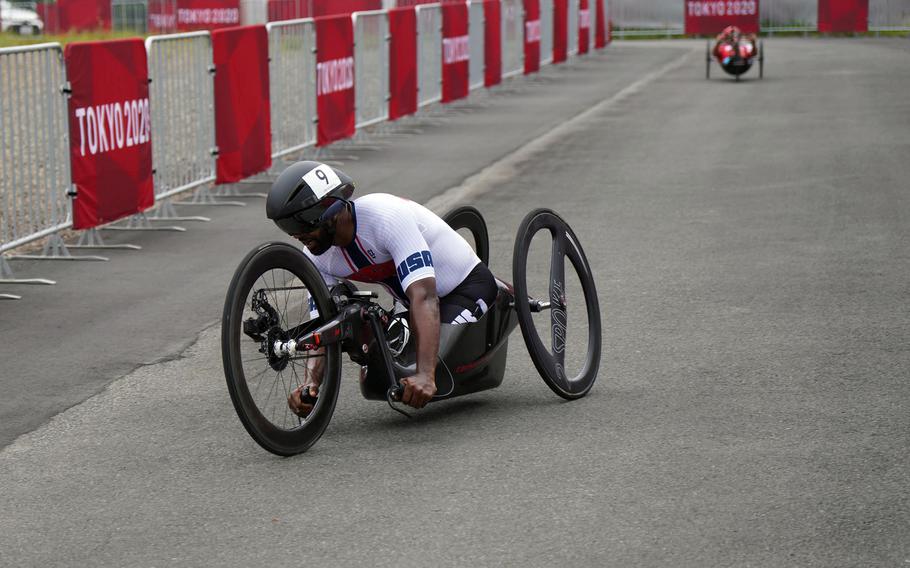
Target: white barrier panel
(573,28)
(292,85)
(429,54)
(788,15)
(513,49)
(371,66)
(889,15)
(182,97)
(476,33)
(34,144)
(635,17)
(546,32)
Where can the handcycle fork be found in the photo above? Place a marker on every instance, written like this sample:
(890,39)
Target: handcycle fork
(395,389)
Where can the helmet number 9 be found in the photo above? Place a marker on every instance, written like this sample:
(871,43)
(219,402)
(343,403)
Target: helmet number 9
(322,179)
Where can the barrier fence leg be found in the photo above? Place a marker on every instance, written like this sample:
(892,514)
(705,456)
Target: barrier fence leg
(165,211)
(91,239)
(7,276)
(203,196)
(139,222)
(55,249)
(231,190)
(10,297)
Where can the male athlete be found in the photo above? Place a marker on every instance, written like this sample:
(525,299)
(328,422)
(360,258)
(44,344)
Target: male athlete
(388,240)
(732,43)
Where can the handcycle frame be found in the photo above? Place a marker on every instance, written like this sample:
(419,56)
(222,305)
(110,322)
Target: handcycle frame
(471,357)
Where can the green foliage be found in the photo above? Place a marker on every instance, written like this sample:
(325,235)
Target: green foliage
(8,39)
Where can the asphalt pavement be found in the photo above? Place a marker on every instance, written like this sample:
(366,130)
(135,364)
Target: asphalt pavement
(750,243)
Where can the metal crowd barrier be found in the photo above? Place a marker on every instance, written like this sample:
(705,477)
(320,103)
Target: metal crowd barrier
(292,85)
(546,32)
(512,17)
(182,97)
(34,149)
(572,36)
(788,16)
(889,15)
(429,54)
(636,18)
(371,66)
(476,39)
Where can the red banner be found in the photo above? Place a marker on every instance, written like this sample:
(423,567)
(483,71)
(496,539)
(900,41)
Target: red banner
(560,30)
(492,43)
(278,10)
(532,36)
(600,32)
(402,62)
(346,7)
(187,15)
(842,16)
(456,51)
(709,17)
(334,79)
(242,117)
(75,15)
(162,16)
(110,130)
(584,27)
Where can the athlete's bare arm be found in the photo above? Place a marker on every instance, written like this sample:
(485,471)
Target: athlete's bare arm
(424,321)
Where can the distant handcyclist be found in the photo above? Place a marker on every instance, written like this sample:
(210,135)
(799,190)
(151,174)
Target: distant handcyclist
(384,239)
(732,43)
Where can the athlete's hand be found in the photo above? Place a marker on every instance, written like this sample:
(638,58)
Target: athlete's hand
(296,403)
(418,390)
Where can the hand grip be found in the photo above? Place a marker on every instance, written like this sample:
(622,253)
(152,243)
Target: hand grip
(306,398)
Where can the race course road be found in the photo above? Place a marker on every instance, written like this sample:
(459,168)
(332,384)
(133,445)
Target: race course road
(751,244)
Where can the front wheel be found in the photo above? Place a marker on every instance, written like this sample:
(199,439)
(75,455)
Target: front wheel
(558,371)
(276,295)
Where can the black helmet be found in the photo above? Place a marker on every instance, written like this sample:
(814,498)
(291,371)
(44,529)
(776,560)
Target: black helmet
(302,193)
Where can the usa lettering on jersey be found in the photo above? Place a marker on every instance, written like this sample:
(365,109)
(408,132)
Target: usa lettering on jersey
(414,262)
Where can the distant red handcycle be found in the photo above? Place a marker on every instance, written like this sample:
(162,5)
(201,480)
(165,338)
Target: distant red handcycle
(735,52)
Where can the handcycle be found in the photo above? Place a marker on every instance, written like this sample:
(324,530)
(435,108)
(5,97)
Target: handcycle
(280,315)
(735,58)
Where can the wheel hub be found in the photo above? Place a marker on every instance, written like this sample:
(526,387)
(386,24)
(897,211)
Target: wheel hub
(278,362)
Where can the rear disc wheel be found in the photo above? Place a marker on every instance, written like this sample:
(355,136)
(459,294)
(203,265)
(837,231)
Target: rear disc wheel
(551,363)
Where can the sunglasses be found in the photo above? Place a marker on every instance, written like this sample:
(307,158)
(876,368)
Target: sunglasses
(300,223)
(309,220)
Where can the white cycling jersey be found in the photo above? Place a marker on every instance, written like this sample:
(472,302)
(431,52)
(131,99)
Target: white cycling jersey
(396,243)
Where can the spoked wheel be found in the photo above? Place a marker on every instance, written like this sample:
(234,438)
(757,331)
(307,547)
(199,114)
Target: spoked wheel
(277,294)
(470,219)
(761,60)
(562,293)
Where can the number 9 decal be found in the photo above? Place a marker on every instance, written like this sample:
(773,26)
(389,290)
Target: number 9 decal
(322,179)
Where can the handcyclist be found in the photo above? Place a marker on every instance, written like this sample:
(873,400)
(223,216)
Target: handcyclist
(732,42)
(388,240)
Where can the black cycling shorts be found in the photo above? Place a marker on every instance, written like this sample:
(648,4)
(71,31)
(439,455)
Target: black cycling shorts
(470,299)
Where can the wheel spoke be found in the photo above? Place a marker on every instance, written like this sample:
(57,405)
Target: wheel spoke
(558,319)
